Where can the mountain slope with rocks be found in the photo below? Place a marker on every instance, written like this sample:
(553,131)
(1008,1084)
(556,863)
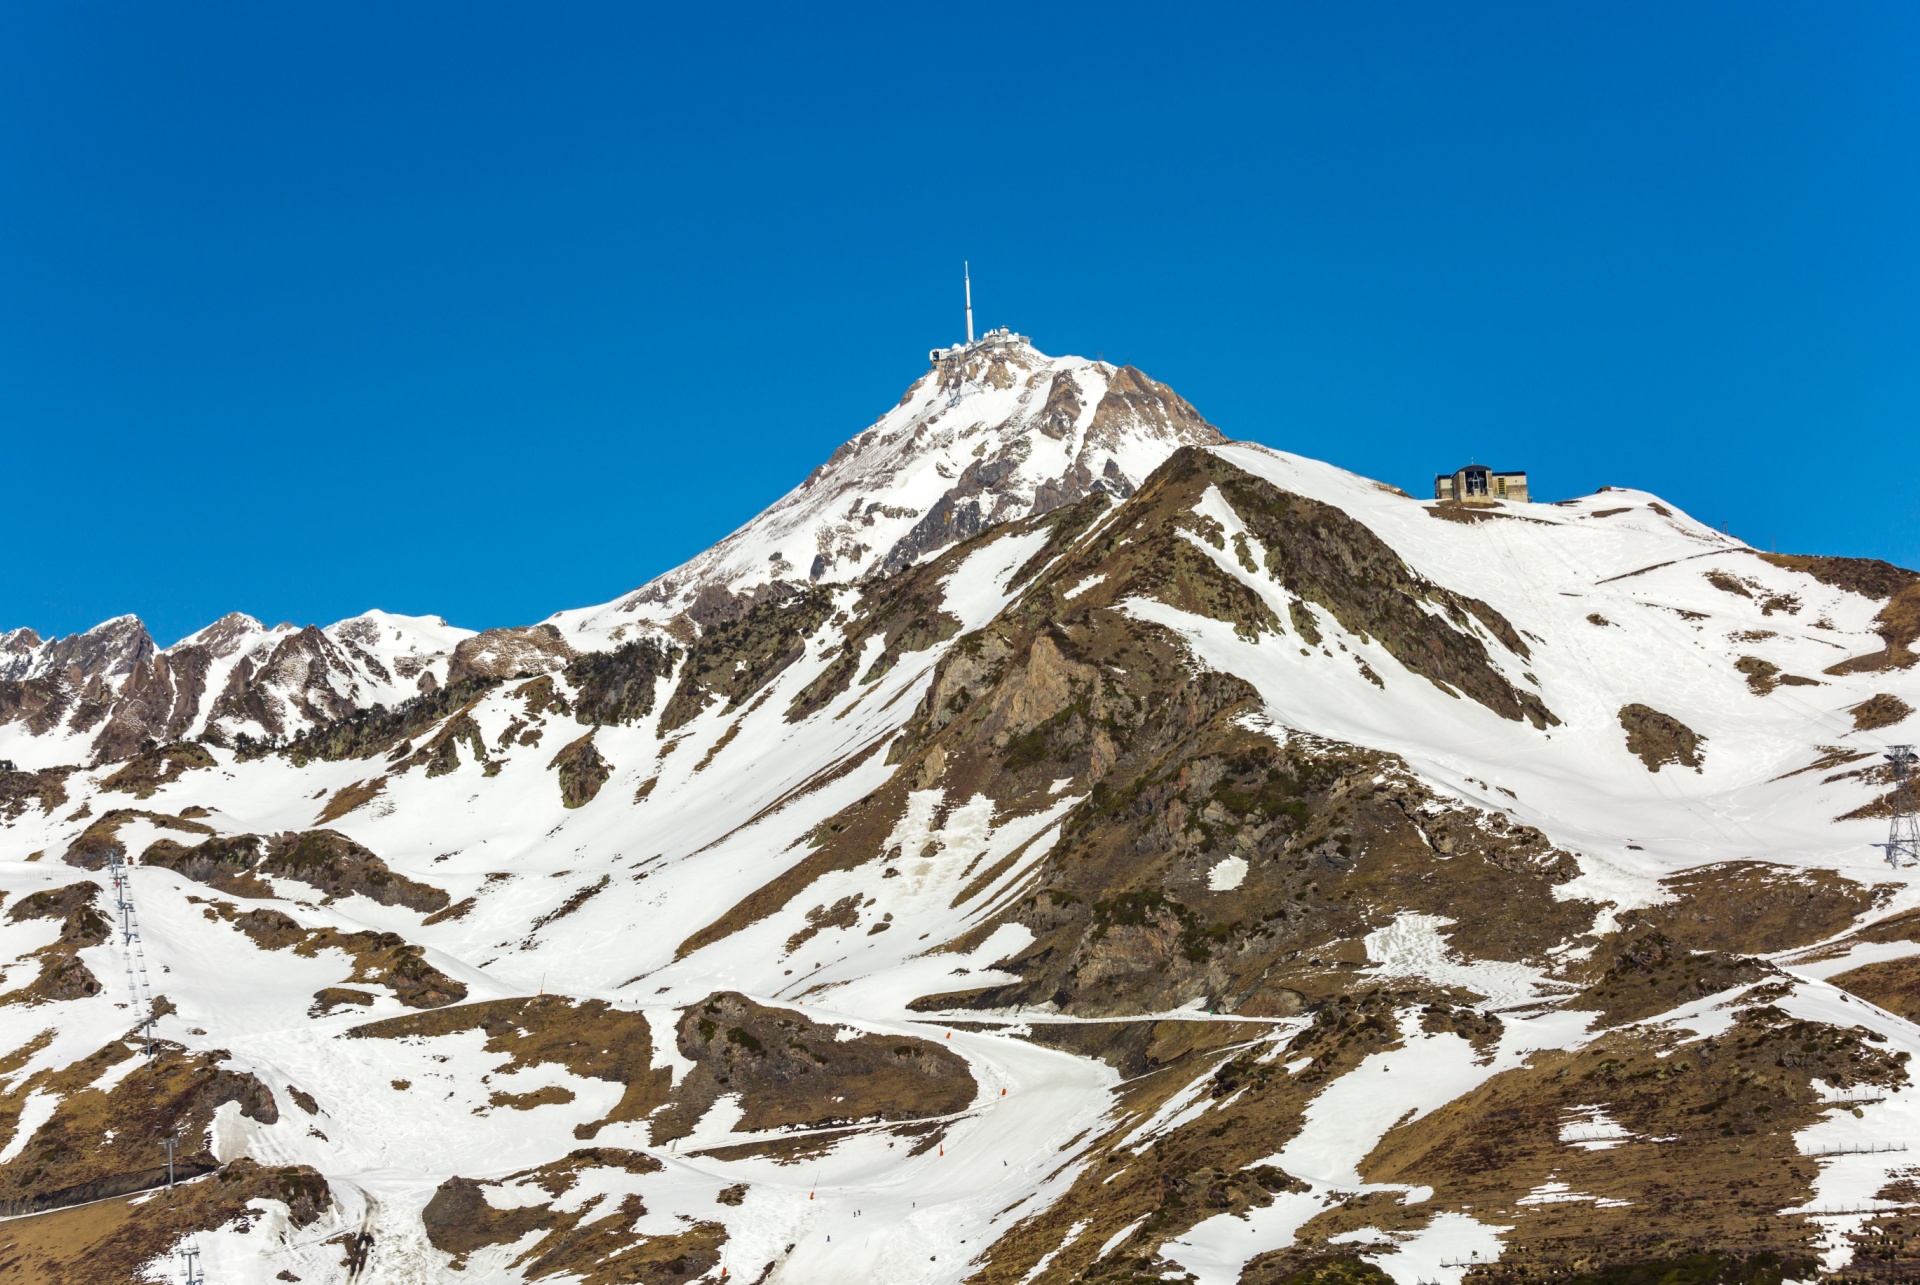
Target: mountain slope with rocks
(1053,843)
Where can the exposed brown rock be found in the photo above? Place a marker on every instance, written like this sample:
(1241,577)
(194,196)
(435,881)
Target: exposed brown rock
(496,654)
(308,678)
(1657,739)
(790,1071)
(323,859)
(582,771)
(147,772)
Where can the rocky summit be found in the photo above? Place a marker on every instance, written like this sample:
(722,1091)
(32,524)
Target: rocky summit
(1053,843)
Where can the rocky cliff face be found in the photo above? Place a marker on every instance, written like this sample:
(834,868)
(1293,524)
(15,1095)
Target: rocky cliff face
(109,693)
(1150,857)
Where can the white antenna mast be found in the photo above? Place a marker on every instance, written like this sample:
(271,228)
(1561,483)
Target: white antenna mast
(966,271)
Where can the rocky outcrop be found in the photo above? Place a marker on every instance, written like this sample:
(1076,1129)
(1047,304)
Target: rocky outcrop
(294,683)
(947,522)
(618,686)
(509,653)
(1134,402)
(791,1072)
(736,658)
(63,974)
(17,649)
(1658,739)
(71,682)
(582,771)
(110,650)
(325,860)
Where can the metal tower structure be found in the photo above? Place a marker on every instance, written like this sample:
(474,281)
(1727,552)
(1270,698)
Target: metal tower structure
(966,273)
(1903,832)
(189,1256)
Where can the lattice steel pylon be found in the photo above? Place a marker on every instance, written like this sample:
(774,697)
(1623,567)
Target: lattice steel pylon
(1903,832)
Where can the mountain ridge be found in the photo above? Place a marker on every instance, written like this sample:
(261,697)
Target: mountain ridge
(1234,870)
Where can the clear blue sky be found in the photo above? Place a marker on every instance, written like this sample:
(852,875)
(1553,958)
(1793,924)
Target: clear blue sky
(486,310)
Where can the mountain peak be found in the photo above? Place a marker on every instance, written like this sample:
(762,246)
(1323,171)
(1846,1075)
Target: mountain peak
(996,430)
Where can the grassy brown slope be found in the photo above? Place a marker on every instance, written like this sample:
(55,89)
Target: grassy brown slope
(1896,588)
(792,1072)
(588,1037)
(1337,840)
(1711,1162)
(111,1240)
(325,860)
(584,1244)
(99,1143)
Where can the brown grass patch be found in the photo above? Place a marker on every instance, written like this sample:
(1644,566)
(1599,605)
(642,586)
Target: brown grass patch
(111,1240)
(584,1245)
(1893,984)
(792,1072)
(348,797)
(588,1037)
(1755,907)
(1657,739)
(1882,710)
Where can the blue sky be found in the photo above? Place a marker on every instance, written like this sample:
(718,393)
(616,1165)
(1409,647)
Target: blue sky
(486,310)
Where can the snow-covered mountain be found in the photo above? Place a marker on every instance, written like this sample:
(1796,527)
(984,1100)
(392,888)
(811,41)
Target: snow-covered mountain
(1052,843)
(997,432)
(103,695)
